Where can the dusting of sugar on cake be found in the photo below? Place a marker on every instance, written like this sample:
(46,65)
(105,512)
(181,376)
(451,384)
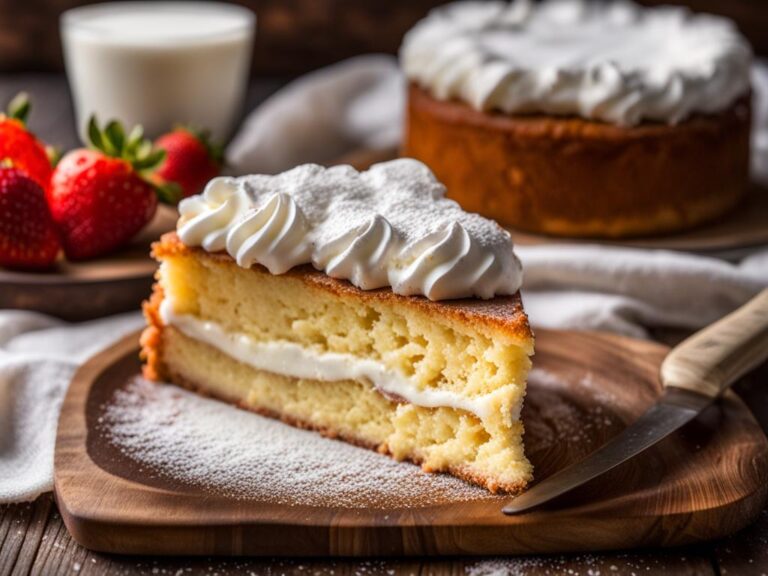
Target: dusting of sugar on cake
(388,226)
(213,446)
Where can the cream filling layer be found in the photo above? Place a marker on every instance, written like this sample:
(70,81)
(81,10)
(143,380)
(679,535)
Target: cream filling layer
(296,361)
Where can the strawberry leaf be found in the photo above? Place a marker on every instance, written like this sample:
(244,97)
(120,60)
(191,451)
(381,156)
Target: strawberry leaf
(95,138)
(144,149)
(168,192)
(19,106)
(135,138)
(116,136)
(150,161)
(216,151)
(137,151)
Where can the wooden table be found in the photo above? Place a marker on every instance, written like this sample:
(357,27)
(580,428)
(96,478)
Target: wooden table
(33,539)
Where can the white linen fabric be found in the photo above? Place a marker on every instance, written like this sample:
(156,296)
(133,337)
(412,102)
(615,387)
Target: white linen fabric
(628,291)
(354,104)
(319,117)
(38,357)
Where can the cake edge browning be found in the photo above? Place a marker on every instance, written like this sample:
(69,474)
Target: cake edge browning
(568,176)
(154,369)
(503,313)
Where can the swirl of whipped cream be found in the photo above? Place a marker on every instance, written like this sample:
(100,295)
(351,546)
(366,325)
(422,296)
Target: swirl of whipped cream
(360,255)
(274,236)
(614,62)
(446,262)
(206,218)
(391,225)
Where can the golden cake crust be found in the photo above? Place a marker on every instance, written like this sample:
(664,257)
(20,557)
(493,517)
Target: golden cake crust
(575,177)
(503,314)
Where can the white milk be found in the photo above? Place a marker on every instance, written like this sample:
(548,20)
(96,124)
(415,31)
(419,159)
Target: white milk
(159,63)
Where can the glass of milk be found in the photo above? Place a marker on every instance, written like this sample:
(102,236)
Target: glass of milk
(159,63)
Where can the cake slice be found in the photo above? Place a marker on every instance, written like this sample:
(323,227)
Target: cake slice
(361,305)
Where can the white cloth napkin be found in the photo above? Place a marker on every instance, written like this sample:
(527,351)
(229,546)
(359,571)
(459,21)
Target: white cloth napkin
(627,291)
(38,357)
(317,118)
(321,116)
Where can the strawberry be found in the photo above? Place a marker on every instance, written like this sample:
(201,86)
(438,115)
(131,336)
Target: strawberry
(19,147)
(28,236)
(191,159)
(101,197)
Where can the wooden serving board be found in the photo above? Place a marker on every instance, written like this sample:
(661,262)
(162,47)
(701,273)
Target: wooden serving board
(703,482)
(78,291)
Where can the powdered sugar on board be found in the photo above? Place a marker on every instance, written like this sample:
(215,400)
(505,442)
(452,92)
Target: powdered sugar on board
(230,452)
(563,423)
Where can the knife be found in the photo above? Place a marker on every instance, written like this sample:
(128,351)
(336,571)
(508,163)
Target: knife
(693,375)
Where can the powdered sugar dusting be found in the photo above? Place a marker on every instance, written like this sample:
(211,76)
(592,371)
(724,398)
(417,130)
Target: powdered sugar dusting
(230,452)
(563,423)
(605,564)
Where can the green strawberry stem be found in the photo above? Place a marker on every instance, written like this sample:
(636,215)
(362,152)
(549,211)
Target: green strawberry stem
(19,106)
(168,192)
(134,149)
(138,151)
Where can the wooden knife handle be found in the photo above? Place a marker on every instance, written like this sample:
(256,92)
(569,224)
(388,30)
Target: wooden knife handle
(714,358)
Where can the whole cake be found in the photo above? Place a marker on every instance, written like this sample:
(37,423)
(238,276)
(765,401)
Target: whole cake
(579,118)
(363,305)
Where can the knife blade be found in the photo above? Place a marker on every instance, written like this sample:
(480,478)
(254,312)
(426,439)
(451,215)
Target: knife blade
(674,409)
(693,375)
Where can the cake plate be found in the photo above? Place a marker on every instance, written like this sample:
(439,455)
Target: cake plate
(731,237)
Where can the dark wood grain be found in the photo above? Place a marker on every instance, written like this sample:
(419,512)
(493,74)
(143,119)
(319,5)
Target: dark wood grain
(53,552)
(296,36)
(293,36)
(704,482)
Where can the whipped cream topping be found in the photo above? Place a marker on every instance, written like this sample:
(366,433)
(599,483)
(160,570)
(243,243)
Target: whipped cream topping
(291,359)
(615,62)
(389,226)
